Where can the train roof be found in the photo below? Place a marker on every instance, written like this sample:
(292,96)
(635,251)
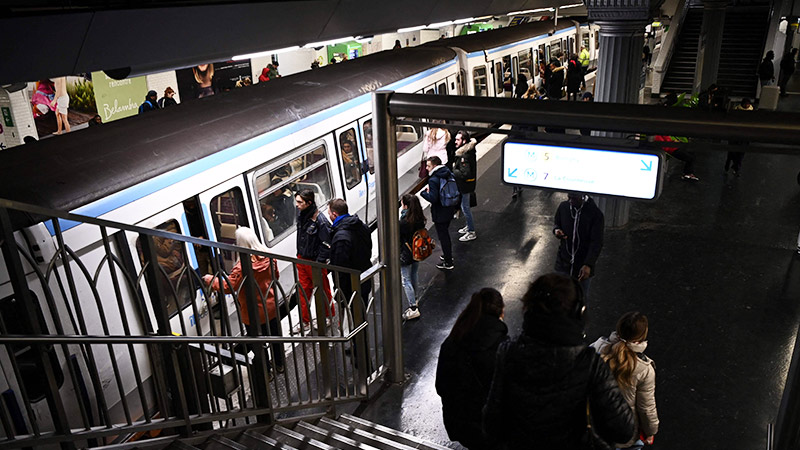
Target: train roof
(497,38)
(67,172)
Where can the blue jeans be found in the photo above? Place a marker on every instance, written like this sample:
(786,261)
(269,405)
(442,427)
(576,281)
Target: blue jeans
(409,274)
(467,211)
(636,446)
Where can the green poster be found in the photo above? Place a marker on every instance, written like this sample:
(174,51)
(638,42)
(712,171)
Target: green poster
(118,98)
(7,116)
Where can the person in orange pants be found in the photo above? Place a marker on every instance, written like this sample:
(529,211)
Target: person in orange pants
(313,244)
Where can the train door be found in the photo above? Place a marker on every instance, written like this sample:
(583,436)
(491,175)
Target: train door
(498,77)
(480,81)
(368,154)
(350,158)
(454,84)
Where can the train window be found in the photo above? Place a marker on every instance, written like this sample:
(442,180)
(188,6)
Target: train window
(498,76)
(596,42)
(276,189)
(228,214)
(197,228)
(367,130)
(555,49)
(585,40)
(430,92)
(479,78)
(442,88)
(526,63)
(14,317)
(407,137)
(351,160)
(542,53)
(547,55)
(173,281)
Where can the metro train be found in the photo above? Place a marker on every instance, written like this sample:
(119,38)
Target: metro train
(210,165)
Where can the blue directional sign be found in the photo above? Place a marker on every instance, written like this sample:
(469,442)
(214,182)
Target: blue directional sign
(613,172)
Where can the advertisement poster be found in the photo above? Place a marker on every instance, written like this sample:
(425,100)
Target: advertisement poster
(117,99)
(206,80)
(81,106)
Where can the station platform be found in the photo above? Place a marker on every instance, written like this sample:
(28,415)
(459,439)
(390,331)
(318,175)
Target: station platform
(711,263)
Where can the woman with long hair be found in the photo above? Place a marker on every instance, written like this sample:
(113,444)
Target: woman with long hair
(266,274)
(635,373)
(466,364)
(204,77)
(313,244)
(547,382)
(411,220)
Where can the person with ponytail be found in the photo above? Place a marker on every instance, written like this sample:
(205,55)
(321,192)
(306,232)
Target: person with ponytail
(466,363)
(548,382)
(635,373)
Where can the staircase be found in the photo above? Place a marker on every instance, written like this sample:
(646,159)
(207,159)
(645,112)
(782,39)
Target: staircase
(348,432)
(680,75)
(742,44)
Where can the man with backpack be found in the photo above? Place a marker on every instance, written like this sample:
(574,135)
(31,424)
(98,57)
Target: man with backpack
(442,193)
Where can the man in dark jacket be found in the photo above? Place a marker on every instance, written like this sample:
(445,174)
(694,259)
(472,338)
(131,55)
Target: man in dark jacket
(545,379)
(465,169)
(150,103)
(351,245)
(313,244)
(441,215)
(787,69)
(579,225)
(555,83)
(766,70)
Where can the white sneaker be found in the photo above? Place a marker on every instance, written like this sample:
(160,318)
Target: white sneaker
(464,230)
(469,236)
(411,313)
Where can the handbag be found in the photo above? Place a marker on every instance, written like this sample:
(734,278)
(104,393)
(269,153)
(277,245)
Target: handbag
(590,440)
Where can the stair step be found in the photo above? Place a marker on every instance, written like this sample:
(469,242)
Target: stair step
(361,435)
(297,440)
(258,441)
(222,443)
(331,438)
(389,433)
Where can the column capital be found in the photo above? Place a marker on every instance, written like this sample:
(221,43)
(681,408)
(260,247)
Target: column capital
(622,10)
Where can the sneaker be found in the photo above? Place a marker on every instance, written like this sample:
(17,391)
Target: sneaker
(411,313)
(441,258)
(306,328)
(445,265)
(469,236)
(464,230)
(690,177)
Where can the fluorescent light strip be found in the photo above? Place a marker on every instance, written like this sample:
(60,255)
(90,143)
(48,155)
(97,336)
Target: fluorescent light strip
(331,42)
(574,5)
(460,21)
(440,24)
(406,30)
(266,53)
(364,39)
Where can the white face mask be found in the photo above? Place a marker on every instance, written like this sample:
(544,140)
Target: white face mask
(637,347)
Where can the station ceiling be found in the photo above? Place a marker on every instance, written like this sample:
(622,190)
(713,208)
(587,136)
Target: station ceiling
(47,38)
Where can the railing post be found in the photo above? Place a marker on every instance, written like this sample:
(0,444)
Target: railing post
(260,371)
(385,139)
(322,310)
(16,273)
(363,357)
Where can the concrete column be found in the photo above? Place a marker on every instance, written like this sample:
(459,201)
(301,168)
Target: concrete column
(619,68)
(709,46)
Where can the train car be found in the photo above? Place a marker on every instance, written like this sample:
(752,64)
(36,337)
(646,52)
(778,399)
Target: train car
(209,166)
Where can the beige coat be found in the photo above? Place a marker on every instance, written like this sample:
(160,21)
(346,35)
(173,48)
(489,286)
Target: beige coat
(641,395)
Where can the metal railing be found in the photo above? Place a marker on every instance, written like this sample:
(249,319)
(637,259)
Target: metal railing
(97,349)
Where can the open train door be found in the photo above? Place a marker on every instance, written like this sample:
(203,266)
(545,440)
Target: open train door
(350,157)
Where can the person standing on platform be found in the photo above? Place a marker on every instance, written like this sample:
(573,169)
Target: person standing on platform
(579,225)
(150,103)
(435,144)
(735,158)
(465,169)
(313,244)
(168,99)
(584,58)
(787,69)
(466,364)
(351,245)
(555,84)
(574,78)
(766,70)
(522,86)
(412,219)
(441,214)
(61,104)
(635,373)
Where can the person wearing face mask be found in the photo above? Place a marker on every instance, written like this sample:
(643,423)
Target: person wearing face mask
(579,225)
(635,373)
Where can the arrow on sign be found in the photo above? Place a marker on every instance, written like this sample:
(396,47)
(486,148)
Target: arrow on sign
(511,173)
(647,166)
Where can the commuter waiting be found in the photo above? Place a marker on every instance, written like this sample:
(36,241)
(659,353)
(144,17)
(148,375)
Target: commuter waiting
(313,244)
(579,224)
(547,383)
(635,373)
(412,219)
(466,364)
(465,169)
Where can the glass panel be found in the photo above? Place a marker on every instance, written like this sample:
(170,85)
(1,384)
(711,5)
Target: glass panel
(407,137)
(498,76)
(351,160)
(228,214)
(585,40)
(479,79)
(367,130)
(526,64)
(442,88)
(555,48)
(171,257)
(277,187)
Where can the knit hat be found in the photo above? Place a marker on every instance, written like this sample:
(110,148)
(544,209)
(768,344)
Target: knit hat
(151,93)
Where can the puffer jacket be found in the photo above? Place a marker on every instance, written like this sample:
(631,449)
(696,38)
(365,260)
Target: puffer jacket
(435,144)
(263,269)
(540,390)
(313,235)
(465,167)
(351,247)
(439,212)
(641,394)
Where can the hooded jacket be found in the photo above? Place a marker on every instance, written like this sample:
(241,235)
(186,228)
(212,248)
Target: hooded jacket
(263,269)
(465,167)
(436,144)
(351,247)
(586,243)
(439,213)
(641,394)
(313,235)
(542,382)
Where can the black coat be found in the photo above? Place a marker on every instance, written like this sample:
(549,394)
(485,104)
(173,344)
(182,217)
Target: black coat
(541,386)
(439,213)
(574,77)
(465,167)
(464,375)
(554,84)
(351,247)
(766,70)
(313,235)
(590,236)
(407,230)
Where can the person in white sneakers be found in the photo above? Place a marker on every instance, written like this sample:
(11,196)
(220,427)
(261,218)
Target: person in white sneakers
(465,169)
(411,219)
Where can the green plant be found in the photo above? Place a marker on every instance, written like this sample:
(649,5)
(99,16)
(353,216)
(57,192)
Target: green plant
(81,96)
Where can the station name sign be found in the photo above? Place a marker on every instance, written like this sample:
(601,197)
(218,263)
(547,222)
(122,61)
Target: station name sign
(606,171)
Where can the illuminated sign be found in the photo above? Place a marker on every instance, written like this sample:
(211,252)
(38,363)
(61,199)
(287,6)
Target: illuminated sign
(615,172)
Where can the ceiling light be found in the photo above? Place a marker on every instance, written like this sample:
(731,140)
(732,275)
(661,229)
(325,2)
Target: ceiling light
(440,24)
(266,53)
(406,30)
(331,42)
(364,39)
(574,5)
(460,21)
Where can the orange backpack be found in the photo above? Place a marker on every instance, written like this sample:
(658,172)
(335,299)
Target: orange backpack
(421,245)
